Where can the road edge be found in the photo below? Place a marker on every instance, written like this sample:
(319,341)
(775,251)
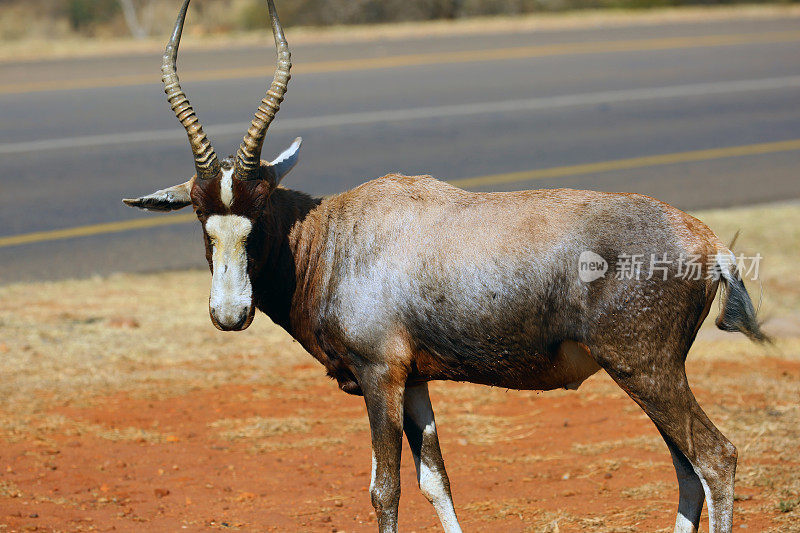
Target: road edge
(37,51)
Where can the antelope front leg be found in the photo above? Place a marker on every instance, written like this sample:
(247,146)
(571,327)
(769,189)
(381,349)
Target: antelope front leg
(420,428)
(383,396)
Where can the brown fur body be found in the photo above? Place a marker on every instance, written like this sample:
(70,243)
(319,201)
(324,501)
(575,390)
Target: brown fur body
(478,287)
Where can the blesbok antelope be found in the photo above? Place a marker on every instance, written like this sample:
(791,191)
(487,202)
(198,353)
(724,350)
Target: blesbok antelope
(405,280)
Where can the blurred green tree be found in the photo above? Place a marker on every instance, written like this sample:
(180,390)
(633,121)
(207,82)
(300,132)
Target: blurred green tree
(85,13)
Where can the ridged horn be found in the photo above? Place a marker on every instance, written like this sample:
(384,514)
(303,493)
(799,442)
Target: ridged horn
(248,157)
(205,159)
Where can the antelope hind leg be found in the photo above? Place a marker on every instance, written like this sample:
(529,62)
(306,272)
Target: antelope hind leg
(420,428)
(697,446)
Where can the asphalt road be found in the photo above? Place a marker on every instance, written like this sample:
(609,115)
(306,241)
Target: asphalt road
(698,115)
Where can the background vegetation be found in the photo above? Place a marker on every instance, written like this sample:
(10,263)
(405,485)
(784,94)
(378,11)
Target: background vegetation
(53,19)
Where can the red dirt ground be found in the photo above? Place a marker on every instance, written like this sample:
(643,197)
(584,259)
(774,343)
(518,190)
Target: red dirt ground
(518,461)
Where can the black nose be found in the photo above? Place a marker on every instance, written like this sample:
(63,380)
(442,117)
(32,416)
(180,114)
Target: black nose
(226,323)
(241,321)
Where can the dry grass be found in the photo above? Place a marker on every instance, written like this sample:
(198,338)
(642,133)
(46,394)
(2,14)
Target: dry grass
(486,430)
(648,491)
(17,427)
(68,339)
(520,508)
(643,442)
(260,427)
(9,490)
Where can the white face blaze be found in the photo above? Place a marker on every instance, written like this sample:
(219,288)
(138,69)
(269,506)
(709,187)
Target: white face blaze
(226,187)
(231,292)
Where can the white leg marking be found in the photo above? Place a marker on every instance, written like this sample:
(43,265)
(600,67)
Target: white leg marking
(226,187)
(430,483)
(684,525)
(372,476)
(718,519)
(712,511)
(418,405)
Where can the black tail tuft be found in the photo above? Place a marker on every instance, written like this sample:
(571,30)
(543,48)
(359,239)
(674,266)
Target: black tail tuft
(738,313)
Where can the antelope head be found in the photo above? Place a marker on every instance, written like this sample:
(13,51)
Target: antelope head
(228,196)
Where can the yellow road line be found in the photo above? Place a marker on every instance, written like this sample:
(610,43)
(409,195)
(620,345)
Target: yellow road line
(408,60)
(633,162)
(545,173)
(94,229)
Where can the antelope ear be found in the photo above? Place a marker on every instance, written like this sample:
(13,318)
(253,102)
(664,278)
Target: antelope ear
(164,200)
(286,161)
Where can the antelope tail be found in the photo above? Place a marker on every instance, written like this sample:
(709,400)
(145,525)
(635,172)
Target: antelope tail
(737,313)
